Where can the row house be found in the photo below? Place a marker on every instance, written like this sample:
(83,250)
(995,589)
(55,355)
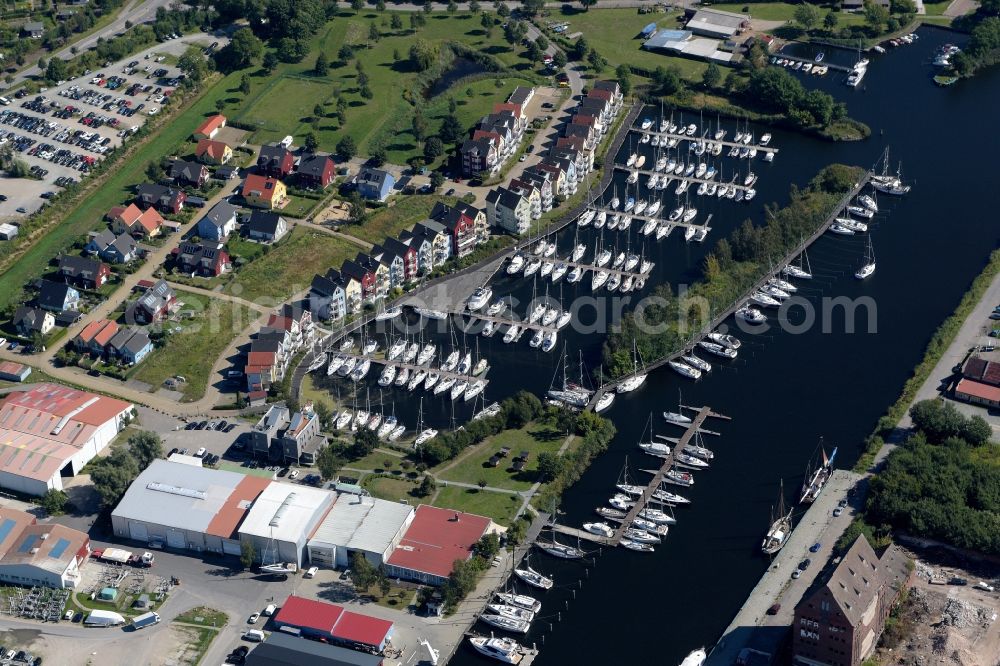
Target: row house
(327,297)
(275,160)
(95,336)
(105,339)
(83,272)
(529,190)
(207,259)
(154,305)
(610,88)
(521,96)
(365,278)
(461,223)
(135,221)
(277,343)
(393,263)
(296,320)
(380,270)
(440,241)
(550,168)
(589,121)
(585,132)
(119,249)
(480,155)
(166,199)
(508,210)
(542,180)
(407,256)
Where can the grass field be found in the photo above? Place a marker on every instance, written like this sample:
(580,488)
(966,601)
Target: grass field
(396,490)
(389,221)
(288,268)
(534,438)
(283,103)
(501,507)
(615,35)
(192,352)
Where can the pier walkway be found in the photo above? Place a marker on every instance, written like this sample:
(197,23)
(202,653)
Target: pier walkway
(412,367)
(640,220)
(696,138)
(838,211)
(692,180)
(655,484)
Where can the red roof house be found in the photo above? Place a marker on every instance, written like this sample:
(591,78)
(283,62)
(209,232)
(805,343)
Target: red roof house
(211,127)
(331,622)
(433,541)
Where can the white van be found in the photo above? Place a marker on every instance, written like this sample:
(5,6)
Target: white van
(269,611)
(311,572)
(4,101)
(254,636)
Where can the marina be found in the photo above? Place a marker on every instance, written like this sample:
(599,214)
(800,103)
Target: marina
(677,136)
(683,179)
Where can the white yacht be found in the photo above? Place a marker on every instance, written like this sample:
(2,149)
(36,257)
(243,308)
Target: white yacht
(604,401)
(459,388)
(497,307)
(852,224)
(402,377)
(473,389)
(550,250)
(563,319)
(868,268)
(868,203)
(751,315)
(533,578)
(519,600)
(416,380)
(657,516)
(396,350)
(640,536)
(696,362)
(760,298)
(600,529)
(532,267)
(335,363)
(578,252)
(428,313)
(861,211)
(479,298)
(432,378)
(426,354)
(512,334)
(411,352)
(586,217)
(516,264)
(724,339)
(695,658)
(636,546)
(505,650)
(388,376)
(347,367)
(425,436)
(685,370)
(599,279)
(489,328)
(559,271)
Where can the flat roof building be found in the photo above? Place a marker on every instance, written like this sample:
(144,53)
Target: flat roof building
(434,540)
(333,623)
(717,23)
(46,554)
(50,431)
(359,524)
(282,518)
(187,507)
(281,649)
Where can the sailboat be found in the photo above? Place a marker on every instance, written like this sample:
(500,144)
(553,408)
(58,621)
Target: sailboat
(533,578)
(652,447)
(556,549)
(800,271)
(868,267)
(781,527)
(269,560)
(814,480)
(574,396)
(425,435)
(678,417)
(626,487)
(637,378)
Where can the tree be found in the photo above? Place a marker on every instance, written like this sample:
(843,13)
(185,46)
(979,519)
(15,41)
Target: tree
(345,53)
(323,411)
(451,129)
(830,21)
(396,23)
(244,84)
(346,148)
(488,546)
(270,61)
(624,75)
(550,465)
(373,34)
(322,66)
(532,6)
(487,21)
(437,180)
(57,70)
(54,502)
(543,42)
(383,581)
(193,64)
(357,5)
(452,7)
(596,60)
(248,553)
(712,76)
(423,54)
(242,51)
(311,143)
(474,7)
(587,4)
(875,15)
(559,59)
(380,6)
(502,9)
(580,49)
(433,148)
(427,486)
(378,156)
(329,462)
(418,125)
(806,15)
(112,477)
(363,574)
(357,212)
(667,80)
(533,53)
(145,447)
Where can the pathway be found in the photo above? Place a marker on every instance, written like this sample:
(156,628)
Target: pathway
(211,293)
(363,244)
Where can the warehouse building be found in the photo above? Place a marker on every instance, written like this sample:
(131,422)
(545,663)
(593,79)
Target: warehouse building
(333,623)
(282,518)
(40,554)
(432,543)
(281,649)
(52,431)
(359,524)
(187,507)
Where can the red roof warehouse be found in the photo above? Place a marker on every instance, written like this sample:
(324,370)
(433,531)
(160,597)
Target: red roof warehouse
(432,543)
(332,622)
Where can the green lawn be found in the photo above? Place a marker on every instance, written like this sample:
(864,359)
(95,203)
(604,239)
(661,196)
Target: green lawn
(283,103)
(396,490)
(203,616)
(501,507)
(192,352)
(389,221)
(533,438)
(289,267)
(615,35)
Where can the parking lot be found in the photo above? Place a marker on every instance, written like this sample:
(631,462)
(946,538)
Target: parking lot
(62,131)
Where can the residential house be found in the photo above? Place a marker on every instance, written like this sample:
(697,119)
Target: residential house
(327,298)
(275,161)
(480,155)
(30,320)
(227,172)
(461,227)
(839,622)
(121,251)
(154,304)
(189,173)
(521,96)
(296,320)
(213,152)
(95,336)
(166,199)
(353,298)
(83,272)
(259,371)
(424,249)
(529,190)
(383,280)
(599,107)
(612,87)
(267,431)
(302,440)
(516,110)
(210,128)
(551,170)
(316,171)
(33,29)
(130,346)
(57,296)
(585,132)
(207,259)
(407,254)
(572,148)
(265,226)
(437,234)
(263,192)
(364,276)
(374,184)
(275,346)
(393,263)
(136,221)
(543,181)
(593,122)
(508,210)
(219,222)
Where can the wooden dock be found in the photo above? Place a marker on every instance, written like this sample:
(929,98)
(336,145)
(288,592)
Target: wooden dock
(688,179)
(729,311)
(640,220)
(412,367)
(694,427)
(508,321)
(698,138)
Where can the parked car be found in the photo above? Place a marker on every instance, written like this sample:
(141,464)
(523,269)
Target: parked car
(253,618)
(200,453)
(796,573)
(804,564)
(294,474)
(837,511)
(773,610)
(815,547)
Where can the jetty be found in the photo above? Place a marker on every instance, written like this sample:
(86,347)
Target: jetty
(639,220)
(689,179)
(703,414)
(838,211)
(699,139)
(412,367)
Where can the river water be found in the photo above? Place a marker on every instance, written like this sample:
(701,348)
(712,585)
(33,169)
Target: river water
(786,390)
